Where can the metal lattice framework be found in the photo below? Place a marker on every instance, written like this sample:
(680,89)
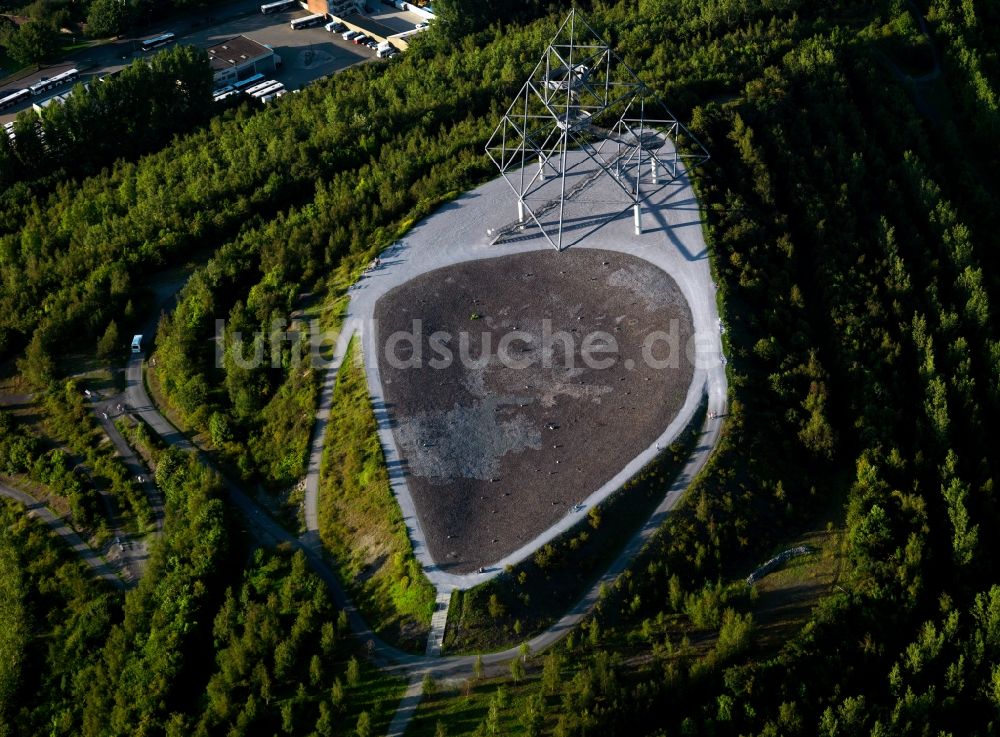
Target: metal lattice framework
(582,99)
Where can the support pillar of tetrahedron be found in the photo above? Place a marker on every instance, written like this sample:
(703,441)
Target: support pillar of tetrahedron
(582,114)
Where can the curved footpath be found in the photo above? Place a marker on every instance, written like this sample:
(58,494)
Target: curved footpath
(106,414)
(269,532)
(60,527)
(673,240)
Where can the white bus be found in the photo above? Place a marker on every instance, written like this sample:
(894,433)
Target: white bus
(308,21)
(60,79)
(278,7)
(12,98)
(271,88)
(154,43)
(248,82)
(137,344)
(259,86)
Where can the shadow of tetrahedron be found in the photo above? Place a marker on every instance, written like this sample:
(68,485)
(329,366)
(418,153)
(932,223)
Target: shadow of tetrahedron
(582,98)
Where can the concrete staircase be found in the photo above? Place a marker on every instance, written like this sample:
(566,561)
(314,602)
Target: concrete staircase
(438,622)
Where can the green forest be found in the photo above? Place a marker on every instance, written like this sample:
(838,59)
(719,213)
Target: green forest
(849,208)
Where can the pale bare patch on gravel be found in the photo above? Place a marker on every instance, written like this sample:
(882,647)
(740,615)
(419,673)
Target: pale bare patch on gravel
(494,455)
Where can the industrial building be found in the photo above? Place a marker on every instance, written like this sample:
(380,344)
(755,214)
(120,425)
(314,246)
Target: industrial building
(240,57)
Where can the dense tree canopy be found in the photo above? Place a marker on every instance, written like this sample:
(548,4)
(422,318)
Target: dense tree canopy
(32,42)
(849,207)
(125,115)
(110,17)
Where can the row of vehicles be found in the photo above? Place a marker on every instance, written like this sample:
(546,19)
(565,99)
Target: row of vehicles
(12,98)
(308,21)
(255,86)
(382,50)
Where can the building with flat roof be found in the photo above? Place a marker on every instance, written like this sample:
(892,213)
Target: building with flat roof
(238,58)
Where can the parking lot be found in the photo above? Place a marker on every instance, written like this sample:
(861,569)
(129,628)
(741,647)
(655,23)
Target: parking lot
(306,55)
(393,18)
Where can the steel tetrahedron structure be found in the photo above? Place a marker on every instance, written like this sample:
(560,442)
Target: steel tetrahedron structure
(581,115)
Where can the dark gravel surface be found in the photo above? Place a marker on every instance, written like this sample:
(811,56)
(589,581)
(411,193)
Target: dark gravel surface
(495,453)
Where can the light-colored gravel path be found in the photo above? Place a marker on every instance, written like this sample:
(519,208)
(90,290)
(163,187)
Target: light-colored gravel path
(407,708)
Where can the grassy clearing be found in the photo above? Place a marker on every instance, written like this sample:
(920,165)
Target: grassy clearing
(360,522)
(69,48)
(784,599)
(531,596)
(377,693)
(143,439)
(8,67)
(462,708)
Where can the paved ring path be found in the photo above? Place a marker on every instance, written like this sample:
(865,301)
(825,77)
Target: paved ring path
(673,241)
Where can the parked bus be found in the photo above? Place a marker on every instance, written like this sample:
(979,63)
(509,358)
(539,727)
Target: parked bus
(60,79)
(278,7)
(12,98)
(137,344)
(308,21)
(273,87)
(154,43)
(248,82)
(272,95)
(259,86)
